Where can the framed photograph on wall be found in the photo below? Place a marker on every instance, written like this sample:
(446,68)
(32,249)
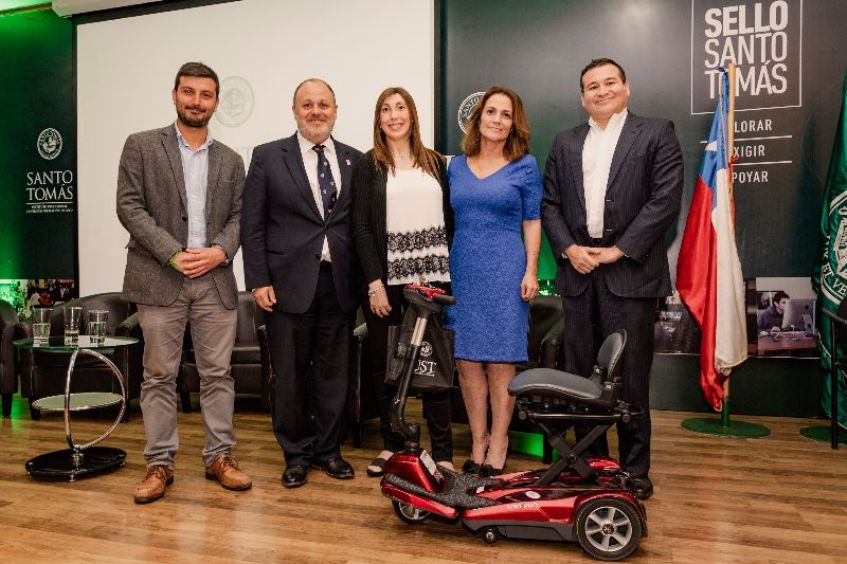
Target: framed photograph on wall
(782,321)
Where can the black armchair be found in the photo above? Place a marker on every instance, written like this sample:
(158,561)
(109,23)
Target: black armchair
(43,373)
(362,401)
(546,333)
(9,331)
(250,367)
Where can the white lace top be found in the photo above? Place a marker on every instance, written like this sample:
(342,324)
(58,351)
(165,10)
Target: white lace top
(417,240)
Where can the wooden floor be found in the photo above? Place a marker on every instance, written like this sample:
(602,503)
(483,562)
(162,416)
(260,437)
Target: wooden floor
(779,499)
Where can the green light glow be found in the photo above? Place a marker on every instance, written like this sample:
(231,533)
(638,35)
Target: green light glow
(529,443)
(14,292)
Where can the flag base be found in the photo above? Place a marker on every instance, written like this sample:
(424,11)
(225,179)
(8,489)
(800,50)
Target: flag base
(823,434)
(714,426)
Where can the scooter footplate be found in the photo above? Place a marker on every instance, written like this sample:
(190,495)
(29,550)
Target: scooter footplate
(455,495)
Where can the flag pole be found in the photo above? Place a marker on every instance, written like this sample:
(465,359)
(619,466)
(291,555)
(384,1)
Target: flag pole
(730,149)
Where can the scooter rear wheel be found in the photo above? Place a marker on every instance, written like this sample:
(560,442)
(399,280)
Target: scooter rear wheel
(409,513)
(608,528)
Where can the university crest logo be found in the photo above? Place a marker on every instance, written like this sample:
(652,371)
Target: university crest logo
(49,144)
(236,101)
(466,108)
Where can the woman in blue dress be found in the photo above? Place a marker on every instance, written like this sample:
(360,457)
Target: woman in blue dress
(496,197)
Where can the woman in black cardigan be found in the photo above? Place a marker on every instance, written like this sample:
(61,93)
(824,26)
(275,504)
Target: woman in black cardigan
(402,223)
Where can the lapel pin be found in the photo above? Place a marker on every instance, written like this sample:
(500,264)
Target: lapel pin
(347,161)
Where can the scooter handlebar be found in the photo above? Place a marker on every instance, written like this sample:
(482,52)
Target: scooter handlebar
(417,293)
(444,299)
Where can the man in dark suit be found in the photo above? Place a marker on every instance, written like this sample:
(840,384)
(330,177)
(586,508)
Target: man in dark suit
(612,188)
(179,196)
(300,264)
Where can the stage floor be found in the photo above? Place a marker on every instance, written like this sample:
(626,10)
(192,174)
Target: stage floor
(778,499)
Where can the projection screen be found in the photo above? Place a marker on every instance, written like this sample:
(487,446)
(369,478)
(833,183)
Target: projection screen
(261,49)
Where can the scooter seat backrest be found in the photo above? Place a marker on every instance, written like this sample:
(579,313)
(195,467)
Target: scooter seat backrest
(609,356)
(607,371)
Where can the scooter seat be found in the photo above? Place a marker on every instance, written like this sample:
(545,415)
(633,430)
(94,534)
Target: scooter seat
(556,384)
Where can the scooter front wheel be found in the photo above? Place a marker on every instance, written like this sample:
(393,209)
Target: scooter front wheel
(608,528)
(409,513)
(490,535)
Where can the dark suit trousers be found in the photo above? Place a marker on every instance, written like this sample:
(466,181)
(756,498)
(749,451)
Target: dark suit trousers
(310,353)
(437,406)
(589,319)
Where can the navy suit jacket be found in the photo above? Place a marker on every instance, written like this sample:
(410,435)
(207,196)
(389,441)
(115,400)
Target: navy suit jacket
(282,231)
(642,202)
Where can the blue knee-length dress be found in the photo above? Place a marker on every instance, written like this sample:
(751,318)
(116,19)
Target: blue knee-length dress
(488,259)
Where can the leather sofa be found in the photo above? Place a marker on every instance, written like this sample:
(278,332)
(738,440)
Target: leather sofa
(9,331)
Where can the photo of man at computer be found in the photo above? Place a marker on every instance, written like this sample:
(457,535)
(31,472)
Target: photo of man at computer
(786,317)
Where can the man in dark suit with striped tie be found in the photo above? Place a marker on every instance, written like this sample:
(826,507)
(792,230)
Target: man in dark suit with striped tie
(300,264)
(612,189)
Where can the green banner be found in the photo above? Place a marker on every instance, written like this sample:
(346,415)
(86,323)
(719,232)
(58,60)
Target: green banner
(37,147)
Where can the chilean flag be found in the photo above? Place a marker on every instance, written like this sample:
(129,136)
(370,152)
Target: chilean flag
(708,272)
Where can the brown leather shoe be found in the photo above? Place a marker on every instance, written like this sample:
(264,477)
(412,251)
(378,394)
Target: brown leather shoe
(225,470)
(157,479)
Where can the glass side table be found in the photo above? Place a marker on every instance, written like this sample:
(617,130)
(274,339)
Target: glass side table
(80,459)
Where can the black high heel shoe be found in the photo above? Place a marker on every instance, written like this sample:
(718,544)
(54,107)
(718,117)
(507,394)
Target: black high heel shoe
(487,471)
(471,467)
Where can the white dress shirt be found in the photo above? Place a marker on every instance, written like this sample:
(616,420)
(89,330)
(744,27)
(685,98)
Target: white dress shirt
(597,156)
(310,162)
(195,173)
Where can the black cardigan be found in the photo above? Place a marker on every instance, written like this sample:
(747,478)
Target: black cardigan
(369,231)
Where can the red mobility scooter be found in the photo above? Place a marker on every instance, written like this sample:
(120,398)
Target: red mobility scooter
(586,500)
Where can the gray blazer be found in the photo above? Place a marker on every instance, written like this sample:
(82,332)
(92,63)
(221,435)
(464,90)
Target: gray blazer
(151,206)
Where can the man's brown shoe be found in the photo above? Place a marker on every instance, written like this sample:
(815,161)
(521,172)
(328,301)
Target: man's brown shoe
(225,470)
(157,479)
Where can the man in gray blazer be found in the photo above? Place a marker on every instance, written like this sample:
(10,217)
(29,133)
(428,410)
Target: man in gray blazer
(300,264)
(179,196)
(612,188)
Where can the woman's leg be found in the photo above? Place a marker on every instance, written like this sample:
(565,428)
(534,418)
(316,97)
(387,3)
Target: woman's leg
(475,393)
(502,406)
(438,411)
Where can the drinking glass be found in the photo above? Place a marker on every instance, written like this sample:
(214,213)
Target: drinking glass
(97,326)
(73,317)
(41,326)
